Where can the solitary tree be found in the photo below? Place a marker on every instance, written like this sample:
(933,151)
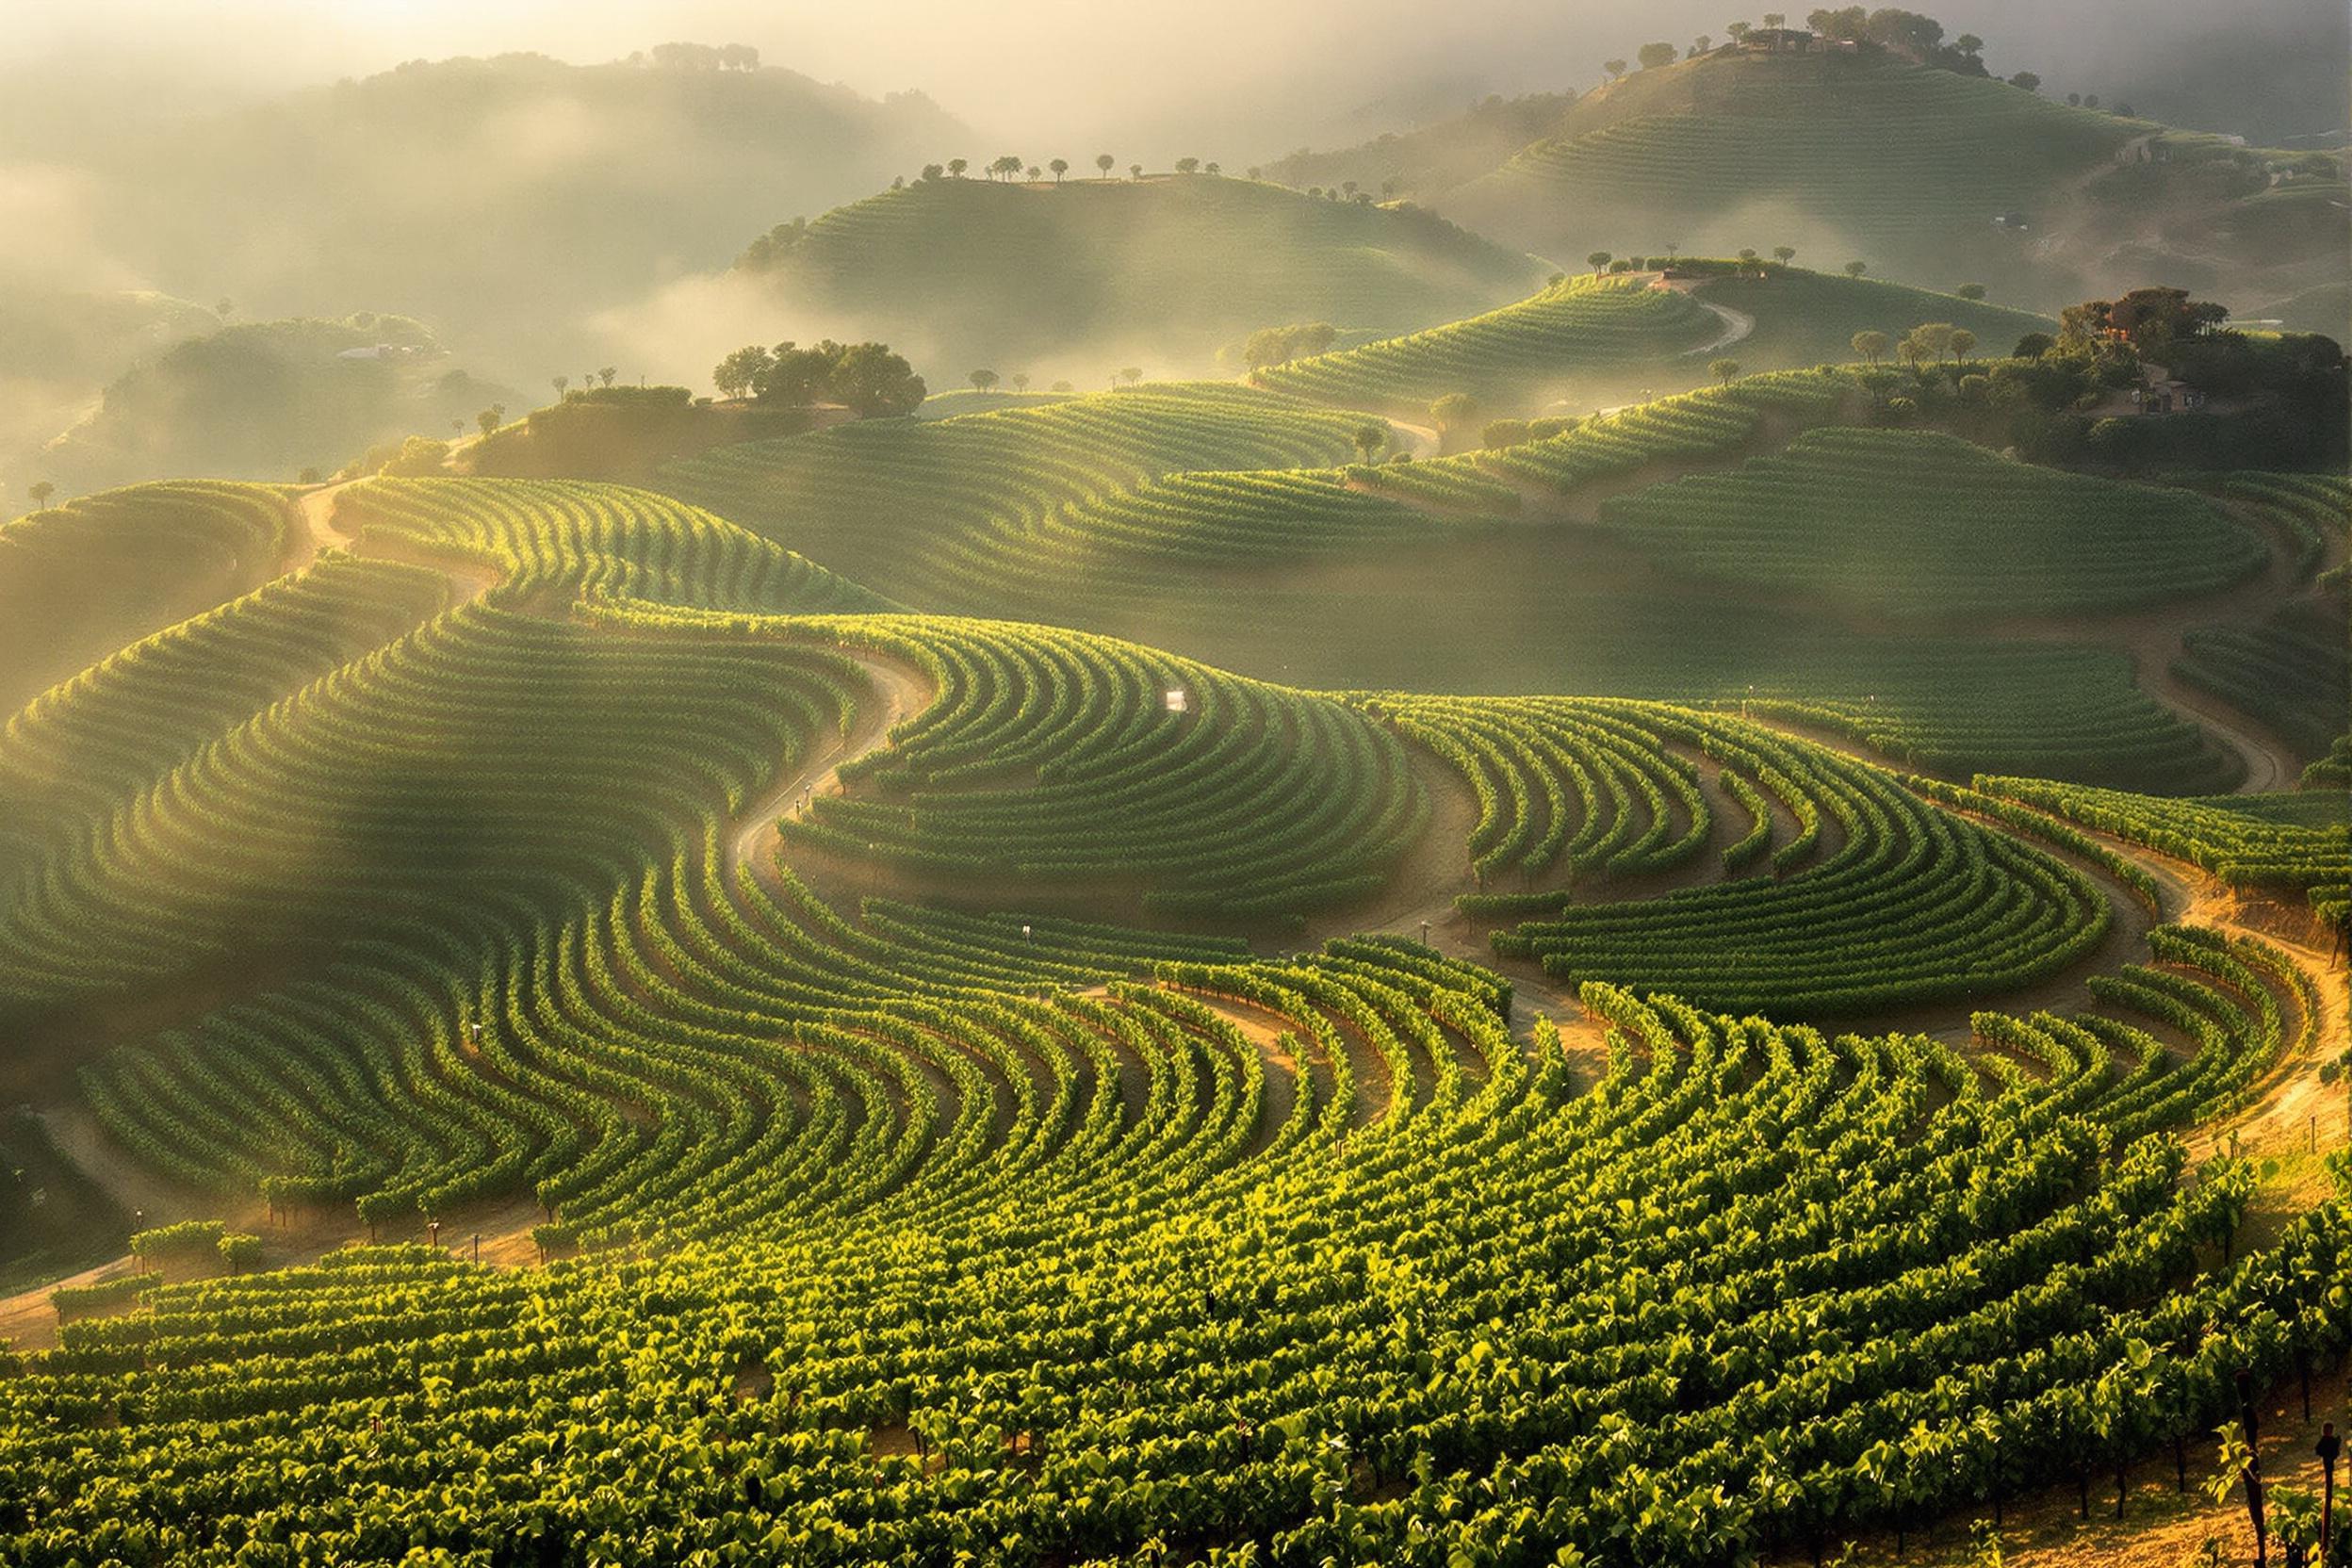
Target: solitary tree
(1725,370)
(1748,255)
(1616,69)
(1963,343)
(1776,20)
(1599,261)
(487,419)
(1135,170)
(2027,80)
(560,382)
(1784,253)
(1970,291)
(605,374)
(1106,163)
(982,380)
(1673,249)
(1212,168)
(1034,172)
(42,491)
(1871,346)
(1371,438)
(1701,44)
(1020,381)
(956,167)
(1454,411)
(1132,374)
(1187,166)
(1855,269)
(1652,55)
(1060,167)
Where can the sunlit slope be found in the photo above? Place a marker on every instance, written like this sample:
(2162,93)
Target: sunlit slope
(1928,526)
(1083,276)
(78,580)
(1583,333)
(906,506)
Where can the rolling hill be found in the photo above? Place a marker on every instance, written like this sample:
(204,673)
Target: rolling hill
(1072,279)
(1739,149)
(266,400)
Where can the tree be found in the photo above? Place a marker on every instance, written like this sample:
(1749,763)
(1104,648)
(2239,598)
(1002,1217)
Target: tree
(1598,261)
(605,374)
(956,167)
(1005,167)
(1871,346)
(740,372)
(1963,343)
(559,383)
(1060,167)
(1725,370)
(1370,438)
(1106,163)
(1033,173)
(2034,344)
(2027,80)
(1454,411)
(1020,381)
(1784,253)
(1135,170)
(1970,291)
(40,492)
(1652,55)
(1855,269)
(1062,386)
(1616,69)
(875,381)
(1748,255)
(982,380)
(1936,337)
(1187,166)
(1776,20)
(488,420)
(1211,167)
(933,171)
(1131,374)
(1912,350)
(1738,31)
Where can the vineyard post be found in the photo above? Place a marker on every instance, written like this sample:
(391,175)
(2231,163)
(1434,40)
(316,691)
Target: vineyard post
(2253,1467)
(2328,1447)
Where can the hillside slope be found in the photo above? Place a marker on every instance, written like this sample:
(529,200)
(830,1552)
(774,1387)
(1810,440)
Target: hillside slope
(1069,277)
(1734,150)
(266,400)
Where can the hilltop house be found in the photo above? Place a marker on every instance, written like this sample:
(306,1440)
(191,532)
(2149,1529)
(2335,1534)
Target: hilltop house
(1777,40)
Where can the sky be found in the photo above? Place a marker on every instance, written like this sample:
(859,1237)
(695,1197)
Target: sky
(1233,79)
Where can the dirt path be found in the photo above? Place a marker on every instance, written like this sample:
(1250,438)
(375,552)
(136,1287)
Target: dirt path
(905,692)
(1738,325)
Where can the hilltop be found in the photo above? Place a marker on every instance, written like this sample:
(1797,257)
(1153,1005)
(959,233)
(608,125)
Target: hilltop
(59,348)
(1744,148)
(1068,275)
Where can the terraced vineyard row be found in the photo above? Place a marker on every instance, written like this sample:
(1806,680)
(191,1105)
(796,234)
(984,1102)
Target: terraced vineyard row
(1877,899)
(2299,843)
(79,581)
(1508,357)
(1924,525)
(1755,1287)
(950,493)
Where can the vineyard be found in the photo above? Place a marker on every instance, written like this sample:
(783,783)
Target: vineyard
(1512,357)
(765,1019)
(1922,525)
